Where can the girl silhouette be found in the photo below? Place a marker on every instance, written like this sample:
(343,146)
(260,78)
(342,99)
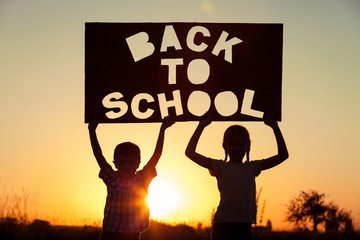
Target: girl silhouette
(235,178)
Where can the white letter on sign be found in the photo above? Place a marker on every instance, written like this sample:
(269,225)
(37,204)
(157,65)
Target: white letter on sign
(109,102)
(164,105)
(139,46)
(135,105)
(191,36)
(222,44)
(226,103)
(246,105)
(198,71)
(169,39)
(199,103)
(172,63)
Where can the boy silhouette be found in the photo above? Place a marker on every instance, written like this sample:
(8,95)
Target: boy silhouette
(126,213)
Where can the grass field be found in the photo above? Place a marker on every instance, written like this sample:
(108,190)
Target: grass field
(11,229)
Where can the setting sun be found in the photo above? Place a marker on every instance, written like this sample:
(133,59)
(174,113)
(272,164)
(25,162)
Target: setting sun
(162,199)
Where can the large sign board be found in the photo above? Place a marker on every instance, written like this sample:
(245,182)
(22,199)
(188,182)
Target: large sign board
(142,72)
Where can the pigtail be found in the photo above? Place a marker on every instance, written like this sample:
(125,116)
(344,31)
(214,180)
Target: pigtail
(248,153)
(247,156)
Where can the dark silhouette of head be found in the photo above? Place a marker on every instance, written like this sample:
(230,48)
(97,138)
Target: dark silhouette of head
(127,157)
(237,138)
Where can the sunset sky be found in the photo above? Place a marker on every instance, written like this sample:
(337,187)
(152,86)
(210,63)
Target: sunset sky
(44,141)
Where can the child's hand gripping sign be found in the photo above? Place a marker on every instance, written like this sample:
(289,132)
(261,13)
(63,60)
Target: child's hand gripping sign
(143,72)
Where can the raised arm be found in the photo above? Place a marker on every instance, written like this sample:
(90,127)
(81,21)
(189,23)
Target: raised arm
(282,154)
(96,146)
(191,147)
(160,142)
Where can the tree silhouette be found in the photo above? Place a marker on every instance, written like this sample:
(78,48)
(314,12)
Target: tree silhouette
(311,207)
(336,218)
(307,207)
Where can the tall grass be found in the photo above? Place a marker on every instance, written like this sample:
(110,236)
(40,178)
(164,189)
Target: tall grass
(19,205)
(42,230)
(18,223)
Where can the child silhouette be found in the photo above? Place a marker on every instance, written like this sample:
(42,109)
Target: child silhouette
(126,214)
(236,179)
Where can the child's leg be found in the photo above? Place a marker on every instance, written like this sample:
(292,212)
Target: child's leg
(218,231)
(231,231)
(106,235)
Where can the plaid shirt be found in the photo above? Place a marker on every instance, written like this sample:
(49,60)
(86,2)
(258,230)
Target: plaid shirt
(126,210)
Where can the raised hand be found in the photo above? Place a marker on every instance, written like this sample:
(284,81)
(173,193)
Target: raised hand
(269,122)
(167,122)
(205,120)
(93,125)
